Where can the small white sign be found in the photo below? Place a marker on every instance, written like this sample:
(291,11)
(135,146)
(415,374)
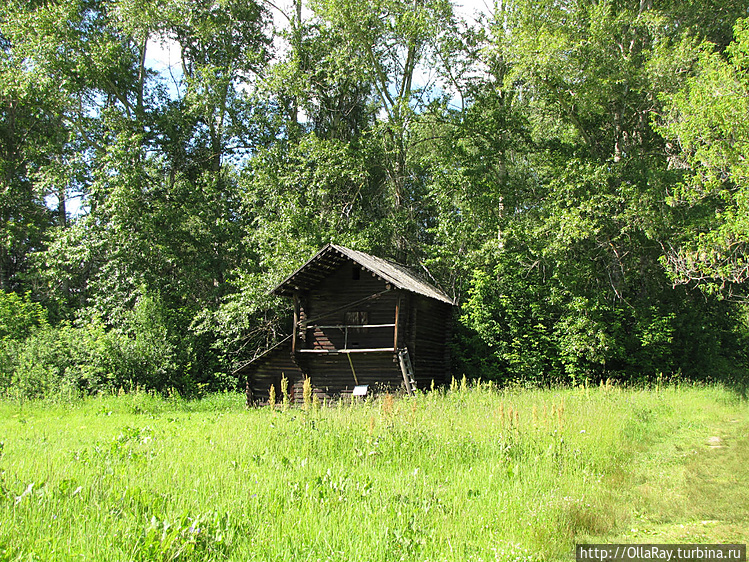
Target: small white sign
(360,390)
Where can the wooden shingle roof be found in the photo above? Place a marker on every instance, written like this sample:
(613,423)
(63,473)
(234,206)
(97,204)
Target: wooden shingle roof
(331,257)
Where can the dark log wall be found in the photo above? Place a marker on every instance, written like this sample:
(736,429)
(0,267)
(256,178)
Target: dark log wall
(428,339)
(331,375)
(268,370)
(340,289)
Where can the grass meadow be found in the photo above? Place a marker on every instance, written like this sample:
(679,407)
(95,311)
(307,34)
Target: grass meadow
(474,473)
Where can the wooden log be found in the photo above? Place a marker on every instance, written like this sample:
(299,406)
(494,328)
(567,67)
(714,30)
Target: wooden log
(397,316)
(295,329)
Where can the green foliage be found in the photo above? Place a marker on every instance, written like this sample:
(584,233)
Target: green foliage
(185,538)
(42,363)
(569,282)
(507,334)
(504,313)
(147,356)
(556,168)
(19,316)
(705,120)
(88,357)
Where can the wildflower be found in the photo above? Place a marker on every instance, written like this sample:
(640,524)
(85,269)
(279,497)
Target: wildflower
(29,489)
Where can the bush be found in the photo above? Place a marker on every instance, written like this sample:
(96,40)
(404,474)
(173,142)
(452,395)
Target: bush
(41,362)
(521,324)
(19,316)
(145,352)
(88,357)
(19,319)
(65,356)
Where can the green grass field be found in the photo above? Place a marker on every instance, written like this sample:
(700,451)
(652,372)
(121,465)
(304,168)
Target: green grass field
(474,474)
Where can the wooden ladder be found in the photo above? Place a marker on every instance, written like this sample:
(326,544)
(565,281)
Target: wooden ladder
(407,369)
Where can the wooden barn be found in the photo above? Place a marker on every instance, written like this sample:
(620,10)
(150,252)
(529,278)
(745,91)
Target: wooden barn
(359,322)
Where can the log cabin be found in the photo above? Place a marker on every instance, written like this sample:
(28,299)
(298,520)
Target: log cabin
(362,324)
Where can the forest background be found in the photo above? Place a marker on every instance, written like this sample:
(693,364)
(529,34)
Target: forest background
(573,172)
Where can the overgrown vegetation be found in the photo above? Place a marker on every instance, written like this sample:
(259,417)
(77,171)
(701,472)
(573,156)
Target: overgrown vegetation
(573,173)
(475,473)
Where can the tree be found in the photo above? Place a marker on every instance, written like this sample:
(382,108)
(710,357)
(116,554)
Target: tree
(569,282)
(394,41)
(30,130)
(157,166)
(706,122)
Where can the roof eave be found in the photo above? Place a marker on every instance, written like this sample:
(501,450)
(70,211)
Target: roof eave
(277,289)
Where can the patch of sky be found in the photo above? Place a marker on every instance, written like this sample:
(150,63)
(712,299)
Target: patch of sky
(164,57)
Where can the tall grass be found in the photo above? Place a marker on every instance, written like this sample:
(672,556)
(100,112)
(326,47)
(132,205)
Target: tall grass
(472,474)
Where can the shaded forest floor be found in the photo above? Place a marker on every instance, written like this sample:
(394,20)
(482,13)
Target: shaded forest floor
(471,474)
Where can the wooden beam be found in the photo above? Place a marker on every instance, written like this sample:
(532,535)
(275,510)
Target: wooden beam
(350,362)
(397,316)
(341,326)
(370,350)
(344,351)
(295,333)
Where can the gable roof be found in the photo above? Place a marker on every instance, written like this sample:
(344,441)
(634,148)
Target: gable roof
(331,257)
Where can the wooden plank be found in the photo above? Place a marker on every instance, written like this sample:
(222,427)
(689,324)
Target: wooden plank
(370,350)
(295,325)
(353,372)
(395,326)
(342,326)
(357,350)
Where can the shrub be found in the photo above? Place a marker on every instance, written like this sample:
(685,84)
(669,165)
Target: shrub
(88,357)
(19,318)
